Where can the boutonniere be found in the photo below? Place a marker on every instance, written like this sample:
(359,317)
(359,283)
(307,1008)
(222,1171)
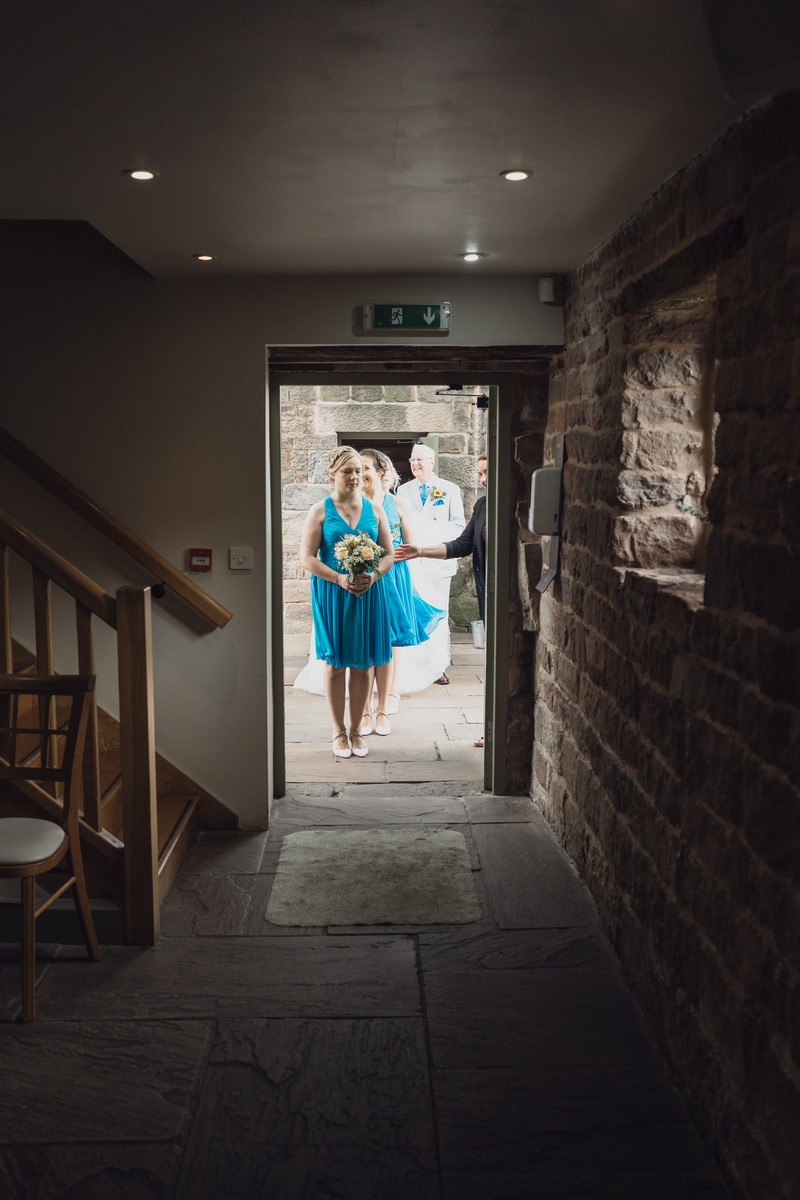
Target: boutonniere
(438,494)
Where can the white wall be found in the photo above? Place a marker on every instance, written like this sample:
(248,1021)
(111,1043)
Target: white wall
(150,397)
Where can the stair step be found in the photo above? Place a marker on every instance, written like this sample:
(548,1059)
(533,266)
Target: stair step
(179,833)
(177,822)
(180,812)
(22,661)
(59,924)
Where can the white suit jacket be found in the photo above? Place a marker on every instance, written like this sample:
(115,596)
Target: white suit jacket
(440,519)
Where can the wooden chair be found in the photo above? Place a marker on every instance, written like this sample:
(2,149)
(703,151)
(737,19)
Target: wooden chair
(40,741)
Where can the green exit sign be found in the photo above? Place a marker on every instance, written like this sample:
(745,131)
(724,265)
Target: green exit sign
(407,317)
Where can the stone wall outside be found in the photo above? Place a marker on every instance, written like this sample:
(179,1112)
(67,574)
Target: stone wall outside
(667,750)
(311,419)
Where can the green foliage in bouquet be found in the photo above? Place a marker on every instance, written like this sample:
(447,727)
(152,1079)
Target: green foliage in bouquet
(357,554)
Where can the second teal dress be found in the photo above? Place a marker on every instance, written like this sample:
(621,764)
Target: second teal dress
(412,619)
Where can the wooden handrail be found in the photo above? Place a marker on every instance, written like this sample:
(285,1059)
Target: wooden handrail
(83,589)
(163,570)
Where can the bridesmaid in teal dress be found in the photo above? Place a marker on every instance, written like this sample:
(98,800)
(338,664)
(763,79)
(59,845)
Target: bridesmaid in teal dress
(352,628)
(412,619)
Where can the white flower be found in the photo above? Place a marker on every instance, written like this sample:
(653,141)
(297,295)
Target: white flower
(357,553)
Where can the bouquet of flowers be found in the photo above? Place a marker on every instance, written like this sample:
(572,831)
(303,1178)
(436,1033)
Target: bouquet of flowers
(357,554)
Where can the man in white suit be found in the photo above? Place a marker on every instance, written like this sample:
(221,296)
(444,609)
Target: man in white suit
(436,508)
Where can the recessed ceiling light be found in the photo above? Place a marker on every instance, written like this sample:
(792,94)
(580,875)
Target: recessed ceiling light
(516,174)
(140,173)
(203,257)
(473,255)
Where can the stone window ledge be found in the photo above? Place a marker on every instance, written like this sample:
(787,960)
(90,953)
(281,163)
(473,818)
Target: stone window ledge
(682,582)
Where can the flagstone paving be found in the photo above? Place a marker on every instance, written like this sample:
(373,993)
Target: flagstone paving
(499,1060)
(432,734)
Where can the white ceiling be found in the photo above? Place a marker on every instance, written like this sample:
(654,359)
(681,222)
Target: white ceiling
(352,136)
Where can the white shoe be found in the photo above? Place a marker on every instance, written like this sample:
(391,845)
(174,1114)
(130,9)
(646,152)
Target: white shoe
(341,746)
(357,744)
(365,728)
(382,725)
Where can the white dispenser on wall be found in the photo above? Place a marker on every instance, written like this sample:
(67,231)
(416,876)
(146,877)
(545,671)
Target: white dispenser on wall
(544,514)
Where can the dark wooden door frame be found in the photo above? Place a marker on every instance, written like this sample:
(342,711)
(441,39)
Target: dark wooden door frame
(495,367)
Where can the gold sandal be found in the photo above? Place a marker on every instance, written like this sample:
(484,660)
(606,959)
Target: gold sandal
(341,746)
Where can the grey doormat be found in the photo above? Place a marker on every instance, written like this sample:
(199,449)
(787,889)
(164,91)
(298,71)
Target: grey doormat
(374,877)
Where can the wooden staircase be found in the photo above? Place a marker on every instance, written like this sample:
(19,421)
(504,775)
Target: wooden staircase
(182,809)
(139,813)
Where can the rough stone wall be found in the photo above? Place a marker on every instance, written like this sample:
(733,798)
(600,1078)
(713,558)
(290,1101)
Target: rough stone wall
(312,418)
(667,751)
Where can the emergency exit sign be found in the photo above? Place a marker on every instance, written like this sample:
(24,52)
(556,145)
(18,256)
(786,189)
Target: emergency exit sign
(407,317)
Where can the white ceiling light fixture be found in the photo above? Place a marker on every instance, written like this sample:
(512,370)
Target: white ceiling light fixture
(515,174)
(472,255)
(139,173)
(203,257)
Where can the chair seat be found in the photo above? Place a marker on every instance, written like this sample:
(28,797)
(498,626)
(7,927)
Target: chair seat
(30,846)
(28,840)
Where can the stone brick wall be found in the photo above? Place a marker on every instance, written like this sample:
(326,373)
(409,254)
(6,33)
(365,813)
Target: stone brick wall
(312,418)
(667,751)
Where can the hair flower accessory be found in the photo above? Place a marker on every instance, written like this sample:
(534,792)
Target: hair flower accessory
(357,554)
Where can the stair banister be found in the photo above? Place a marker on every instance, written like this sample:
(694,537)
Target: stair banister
(163,570)
(78,585)
(130,616)
(6,653)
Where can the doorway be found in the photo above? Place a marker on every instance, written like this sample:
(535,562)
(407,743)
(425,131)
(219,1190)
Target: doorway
(433,725)
(516,379)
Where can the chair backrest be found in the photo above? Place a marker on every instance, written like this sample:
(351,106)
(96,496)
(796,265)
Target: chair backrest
(43,723)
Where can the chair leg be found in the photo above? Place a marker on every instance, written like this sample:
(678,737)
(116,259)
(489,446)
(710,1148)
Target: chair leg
(81,897)
(28,891)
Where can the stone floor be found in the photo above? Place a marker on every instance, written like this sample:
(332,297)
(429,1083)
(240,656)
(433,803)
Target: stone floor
(496,1060)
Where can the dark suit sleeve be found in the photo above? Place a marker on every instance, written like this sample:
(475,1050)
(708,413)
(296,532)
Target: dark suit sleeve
(464,544)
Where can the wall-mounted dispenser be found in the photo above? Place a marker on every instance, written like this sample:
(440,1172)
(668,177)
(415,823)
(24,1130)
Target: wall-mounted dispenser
(544,515)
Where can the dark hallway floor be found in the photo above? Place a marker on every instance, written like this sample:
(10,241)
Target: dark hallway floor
(504,1058)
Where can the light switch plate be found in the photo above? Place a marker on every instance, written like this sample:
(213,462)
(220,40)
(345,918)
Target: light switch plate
(240,558)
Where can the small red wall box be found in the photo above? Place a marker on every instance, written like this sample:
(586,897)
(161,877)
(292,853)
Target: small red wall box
(199,558)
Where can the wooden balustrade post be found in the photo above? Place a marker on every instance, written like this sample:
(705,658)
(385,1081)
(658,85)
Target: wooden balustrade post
(6,654)
(43,625)
(137,745)
(91,756)
(43,622)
